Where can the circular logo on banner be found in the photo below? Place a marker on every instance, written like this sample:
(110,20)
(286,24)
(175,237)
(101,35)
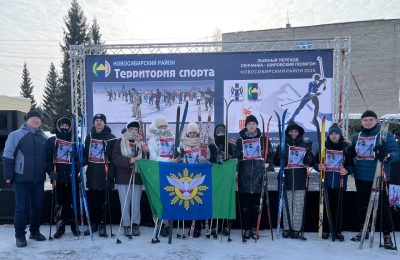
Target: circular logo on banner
(100,69)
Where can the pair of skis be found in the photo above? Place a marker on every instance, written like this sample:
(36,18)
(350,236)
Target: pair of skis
(323,192)
(264,187)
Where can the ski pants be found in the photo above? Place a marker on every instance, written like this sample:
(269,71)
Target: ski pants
(333,197)
(363,194)
(127,219)
(98,206)
(296,207)
(64,199)
(249,208)
(28,203)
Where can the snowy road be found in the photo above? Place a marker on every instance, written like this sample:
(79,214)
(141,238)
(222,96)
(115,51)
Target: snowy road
(68,247)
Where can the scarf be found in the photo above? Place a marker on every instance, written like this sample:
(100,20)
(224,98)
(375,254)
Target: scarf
(125,147)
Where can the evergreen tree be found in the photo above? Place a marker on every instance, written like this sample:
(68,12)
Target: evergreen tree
(27,87)
(75,33)
(94,33)
(51,98)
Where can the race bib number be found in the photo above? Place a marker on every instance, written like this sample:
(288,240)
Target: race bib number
(394,196)
(333,160)
(192,155)
(296,157)
(64,151)
(252,149)
(133,148)
(365,148)
(96,151)
(167,147)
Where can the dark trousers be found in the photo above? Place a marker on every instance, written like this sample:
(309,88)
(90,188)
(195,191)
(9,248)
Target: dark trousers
(28,203)
(363,194)
(249,203)
(98,206)
(333,196)
(64,199)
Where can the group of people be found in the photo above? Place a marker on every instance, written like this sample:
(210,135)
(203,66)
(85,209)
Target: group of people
(28,155)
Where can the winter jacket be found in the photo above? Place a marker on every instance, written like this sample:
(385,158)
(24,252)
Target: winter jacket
(153,143)
(250,172)
(95,172)
(217,148)
(332,179)
(123,168)
(295,179)
(395,169)
(365,169)
(24,156)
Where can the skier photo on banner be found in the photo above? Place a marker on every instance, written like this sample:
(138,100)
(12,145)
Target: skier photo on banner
(338,164)
(311,95)
(295,180)
(364,172)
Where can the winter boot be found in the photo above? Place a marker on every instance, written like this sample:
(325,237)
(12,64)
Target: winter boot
(196,232)
(74,229)
(37,236)
(94,227)
(387,242)
(60,231)
(340,237)
(248,234)
(164,231)
(20,241)
(325,235)
(286,234)
(357,238)
(135,230)
(127,231)
(103,230)
(298,235)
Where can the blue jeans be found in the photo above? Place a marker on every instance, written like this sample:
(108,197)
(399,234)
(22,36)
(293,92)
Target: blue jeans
(28,202)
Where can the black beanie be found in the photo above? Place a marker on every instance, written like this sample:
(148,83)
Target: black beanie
(369,113)
(100,116)
(33,113)
(251,118)
(133,124)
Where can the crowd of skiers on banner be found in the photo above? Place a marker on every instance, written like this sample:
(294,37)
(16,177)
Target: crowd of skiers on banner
(28,155)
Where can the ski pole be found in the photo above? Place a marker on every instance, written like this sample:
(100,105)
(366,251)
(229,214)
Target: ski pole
(123,210)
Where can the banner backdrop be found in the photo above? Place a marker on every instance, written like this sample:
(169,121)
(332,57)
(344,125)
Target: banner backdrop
(259,82)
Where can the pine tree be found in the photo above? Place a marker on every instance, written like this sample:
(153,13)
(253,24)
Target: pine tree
(51,98)
(75,33)
(94,33)
(27,87)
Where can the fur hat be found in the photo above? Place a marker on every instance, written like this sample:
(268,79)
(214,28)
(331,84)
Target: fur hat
(192,127)
(100,116)
(369,113)
(160,121)
(251,118)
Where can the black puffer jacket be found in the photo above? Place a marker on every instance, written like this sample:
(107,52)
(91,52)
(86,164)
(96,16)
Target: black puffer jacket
(217,149)
(63,170)
(95,173)
(298,175)
(250,171)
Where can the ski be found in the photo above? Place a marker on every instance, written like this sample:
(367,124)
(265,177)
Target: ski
(264,187)
(321,147)
(73,173)
(375,187)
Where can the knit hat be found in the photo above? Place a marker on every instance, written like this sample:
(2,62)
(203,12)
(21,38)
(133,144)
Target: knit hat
(369,113)
(133,124)
(335,129)
(219,129)
(33,113)
(192,127)
(100,116)
(160,121)
(251,118)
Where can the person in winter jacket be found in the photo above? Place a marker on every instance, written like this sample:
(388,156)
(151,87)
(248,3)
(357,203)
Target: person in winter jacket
(99,172)
(24,164)
(161,145)
(366,149)
(59,157)
(297,157)
(126,151)
(217,148)
(251,169)
(337,166)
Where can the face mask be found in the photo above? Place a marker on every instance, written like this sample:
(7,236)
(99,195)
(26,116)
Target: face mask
(220,140)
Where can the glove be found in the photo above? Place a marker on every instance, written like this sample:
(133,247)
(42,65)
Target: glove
(381,152)
(53,176)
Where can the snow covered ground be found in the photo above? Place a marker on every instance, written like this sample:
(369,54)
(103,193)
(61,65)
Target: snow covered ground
(69,247)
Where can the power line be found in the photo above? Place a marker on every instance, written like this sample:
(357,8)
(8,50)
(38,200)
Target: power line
(20,73)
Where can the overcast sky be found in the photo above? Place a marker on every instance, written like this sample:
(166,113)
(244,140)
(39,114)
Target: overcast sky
(31,30)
